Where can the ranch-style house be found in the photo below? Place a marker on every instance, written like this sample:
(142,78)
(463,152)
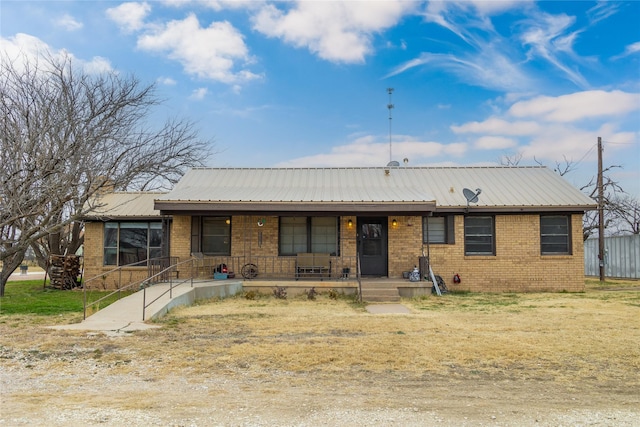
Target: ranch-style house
(482,229)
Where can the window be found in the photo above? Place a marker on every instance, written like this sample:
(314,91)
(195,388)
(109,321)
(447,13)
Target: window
(555,235)
(211,235)
(438,229)
(131,242)
(308,234)
(479,235)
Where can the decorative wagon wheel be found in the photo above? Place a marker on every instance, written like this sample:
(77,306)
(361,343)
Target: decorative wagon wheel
(441,285)
(249,271)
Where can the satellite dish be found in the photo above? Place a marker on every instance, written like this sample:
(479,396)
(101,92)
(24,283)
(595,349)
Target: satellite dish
(393,163)
(471,196)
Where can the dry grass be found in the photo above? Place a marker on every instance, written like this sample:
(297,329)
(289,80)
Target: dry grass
(558,337)
(591,337)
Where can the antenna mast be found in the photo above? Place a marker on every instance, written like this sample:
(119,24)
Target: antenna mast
(390,107)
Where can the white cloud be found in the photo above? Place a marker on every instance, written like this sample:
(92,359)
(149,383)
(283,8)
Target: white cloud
(209,53)
(334,30)
(497,126)
(495,7)
(602,10)
(494,143)
(216,5)
(168,81)
(371,151)
(577,106)
(97,65)
(549,129)
(129,16)
(199,93)
(633,48)
(547,37)
(23,48)
(629,50)
(486,68)
(68,22)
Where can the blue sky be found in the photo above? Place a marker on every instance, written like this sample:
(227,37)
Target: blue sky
(304,83)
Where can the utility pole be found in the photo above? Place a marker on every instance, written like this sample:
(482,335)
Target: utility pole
(600,212)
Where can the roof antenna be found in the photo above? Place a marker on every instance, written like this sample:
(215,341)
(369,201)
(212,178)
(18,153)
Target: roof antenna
(390,107)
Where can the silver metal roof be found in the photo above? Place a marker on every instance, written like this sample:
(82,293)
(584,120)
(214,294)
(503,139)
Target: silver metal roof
(124,205)
(503,188)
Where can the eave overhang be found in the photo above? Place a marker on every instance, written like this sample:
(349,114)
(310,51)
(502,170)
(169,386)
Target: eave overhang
(194,208)
(515,209)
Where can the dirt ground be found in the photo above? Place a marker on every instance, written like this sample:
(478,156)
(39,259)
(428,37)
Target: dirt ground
(456,360)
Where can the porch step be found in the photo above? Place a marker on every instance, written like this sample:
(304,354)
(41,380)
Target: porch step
(380,294)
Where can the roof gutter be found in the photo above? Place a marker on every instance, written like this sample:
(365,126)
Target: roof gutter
(182,207)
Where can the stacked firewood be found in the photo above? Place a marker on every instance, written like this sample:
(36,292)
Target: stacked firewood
(64,271)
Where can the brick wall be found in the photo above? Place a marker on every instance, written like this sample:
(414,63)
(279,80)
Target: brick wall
(97,275)
(516,267)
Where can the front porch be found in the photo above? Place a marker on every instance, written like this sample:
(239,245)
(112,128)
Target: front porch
(265,273)
(373,289)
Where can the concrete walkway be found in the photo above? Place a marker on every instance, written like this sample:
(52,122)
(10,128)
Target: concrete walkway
(388,309)
(125,315)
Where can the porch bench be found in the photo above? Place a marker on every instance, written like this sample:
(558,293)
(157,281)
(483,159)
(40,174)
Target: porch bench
(313,265)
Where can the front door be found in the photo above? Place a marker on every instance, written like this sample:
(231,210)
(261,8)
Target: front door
(372,246)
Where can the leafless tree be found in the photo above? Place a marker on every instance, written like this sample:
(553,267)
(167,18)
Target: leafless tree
(627,213)
(67,134)
(612,192)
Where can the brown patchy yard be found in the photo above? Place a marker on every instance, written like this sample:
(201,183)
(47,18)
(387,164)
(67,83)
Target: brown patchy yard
(463,359)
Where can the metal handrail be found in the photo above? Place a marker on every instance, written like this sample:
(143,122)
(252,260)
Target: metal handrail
(268,267)
(120,288)
(358,275)
(169,269)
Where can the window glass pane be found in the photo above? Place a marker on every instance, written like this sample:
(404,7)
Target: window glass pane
(293,235)
(110,256)
(324,235)
(216,235)
(155,234)
(110,234)
(434,229)
(371,231)
(128,242)
(133,242)
(554,234)
(155,253)
(478,235)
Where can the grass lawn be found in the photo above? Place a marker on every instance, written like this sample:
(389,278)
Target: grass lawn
(30,297)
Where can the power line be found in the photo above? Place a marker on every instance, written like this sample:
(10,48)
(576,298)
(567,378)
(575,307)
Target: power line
(621,143)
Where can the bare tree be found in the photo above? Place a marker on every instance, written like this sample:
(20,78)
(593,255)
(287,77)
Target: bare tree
(611,192)
(627,214)
(66,135)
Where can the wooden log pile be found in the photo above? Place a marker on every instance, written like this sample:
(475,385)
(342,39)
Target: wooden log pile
(64,271)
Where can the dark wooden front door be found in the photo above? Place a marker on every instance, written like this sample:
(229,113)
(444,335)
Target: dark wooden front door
(372,246)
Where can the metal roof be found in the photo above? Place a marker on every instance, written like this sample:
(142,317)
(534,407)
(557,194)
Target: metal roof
(138,205)
(377,188)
